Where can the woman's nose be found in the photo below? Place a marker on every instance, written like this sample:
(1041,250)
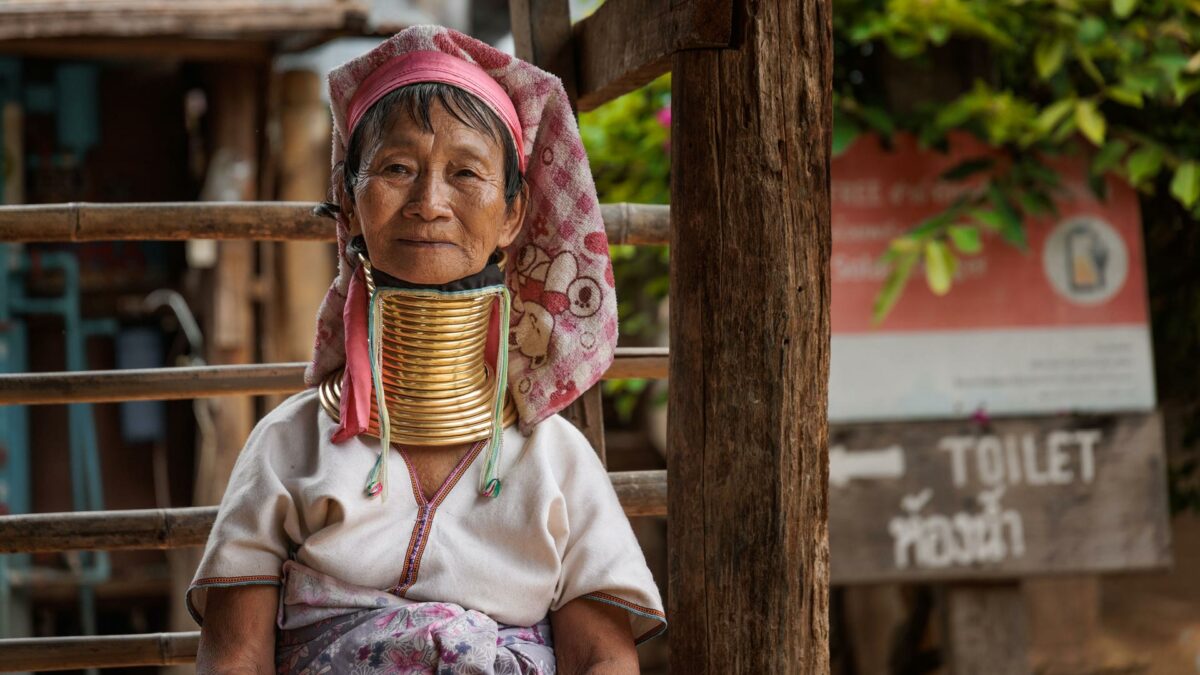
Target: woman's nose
(429,199)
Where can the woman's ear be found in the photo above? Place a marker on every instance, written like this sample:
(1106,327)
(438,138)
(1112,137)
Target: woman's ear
(514,217)
(347,206)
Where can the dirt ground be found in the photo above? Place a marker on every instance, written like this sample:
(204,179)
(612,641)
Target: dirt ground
(1151,622)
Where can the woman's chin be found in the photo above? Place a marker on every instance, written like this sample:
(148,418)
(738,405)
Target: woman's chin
(429,271)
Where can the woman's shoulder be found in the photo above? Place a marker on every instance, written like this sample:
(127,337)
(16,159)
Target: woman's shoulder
(289,426)
(563,448)
(299,409)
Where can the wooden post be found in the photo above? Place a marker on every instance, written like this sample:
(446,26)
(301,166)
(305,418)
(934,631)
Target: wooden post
(1065,635)
(305,267)
(987,631)
(747,430)
(232,176)
(542,36)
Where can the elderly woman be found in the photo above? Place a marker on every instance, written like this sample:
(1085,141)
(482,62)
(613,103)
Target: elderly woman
(474,300)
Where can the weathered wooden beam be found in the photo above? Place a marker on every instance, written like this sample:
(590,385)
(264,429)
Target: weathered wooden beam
(987,630)
(627,43)
(131,18)
(642,493)
(263,221)
(542,36)
(750,293)
(166,384)
(108,651)
(175,48)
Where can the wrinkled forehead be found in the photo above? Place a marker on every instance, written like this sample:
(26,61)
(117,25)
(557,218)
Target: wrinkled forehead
(454,119)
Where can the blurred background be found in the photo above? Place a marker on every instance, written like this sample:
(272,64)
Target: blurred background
(1015,388)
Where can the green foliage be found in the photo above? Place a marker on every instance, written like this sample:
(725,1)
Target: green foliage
(1112,80)
(627,143)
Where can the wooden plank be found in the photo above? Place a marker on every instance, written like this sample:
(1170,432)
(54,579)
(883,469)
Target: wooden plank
(937,501)
(542,36)
(235,98)
(109,651)
(748,469)
(642,493)
(1065,632)
(262,221)
(146,48)
(987,632)
(128,18)
(168,384)
(627,43)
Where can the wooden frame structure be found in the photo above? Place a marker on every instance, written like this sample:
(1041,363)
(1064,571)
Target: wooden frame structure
(746,484)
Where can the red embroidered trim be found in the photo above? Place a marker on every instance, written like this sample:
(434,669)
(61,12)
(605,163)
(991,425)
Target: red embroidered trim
(420,534)
(653,613)
(626,603)
(231,580)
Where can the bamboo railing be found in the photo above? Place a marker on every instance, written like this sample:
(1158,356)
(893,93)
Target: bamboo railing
(262,221)
(642,493)
(165,384)
(108,651)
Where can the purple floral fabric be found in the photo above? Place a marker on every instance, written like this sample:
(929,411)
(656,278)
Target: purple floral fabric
(330,626)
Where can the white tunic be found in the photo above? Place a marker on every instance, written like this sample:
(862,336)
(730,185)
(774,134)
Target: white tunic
(555,533)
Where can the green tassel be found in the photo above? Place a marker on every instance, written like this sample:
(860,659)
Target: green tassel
(377,479)
(489,480)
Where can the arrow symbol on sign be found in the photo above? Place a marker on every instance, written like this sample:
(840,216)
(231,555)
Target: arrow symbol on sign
(845,466)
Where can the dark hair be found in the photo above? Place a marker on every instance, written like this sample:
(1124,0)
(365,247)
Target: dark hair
(415,100)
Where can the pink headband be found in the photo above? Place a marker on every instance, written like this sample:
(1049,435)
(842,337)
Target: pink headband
(431,66)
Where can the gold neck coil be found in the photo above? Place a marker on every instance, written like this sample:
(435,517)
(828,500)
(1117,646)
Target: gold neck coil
(438,387)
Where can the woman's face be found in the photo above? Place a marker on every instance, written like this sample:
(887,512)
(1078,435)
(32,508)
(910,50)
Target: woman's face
(430,205)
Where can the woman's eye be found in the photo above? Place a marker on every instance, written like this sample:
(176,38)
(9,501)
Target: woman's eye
(467,173)
(397,168)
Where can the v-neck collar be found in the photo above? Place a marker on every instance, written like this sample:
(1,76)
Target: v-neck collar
(450,481)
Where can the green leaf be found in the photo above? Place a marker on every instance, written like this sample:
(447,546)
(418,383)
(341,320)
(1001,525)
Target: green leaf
(1185,186)
(1193,64)
(1090,120)
(1088,65)
(878,119)
(1123,8)
(966,238)
(940,264)
(1091,30)
(845,131)
(1184,89)
(1011,228)
(968,168)
(1109,156)
(1053,114)
(1048,57)
(1144,164)
(894,285)
(1126,95)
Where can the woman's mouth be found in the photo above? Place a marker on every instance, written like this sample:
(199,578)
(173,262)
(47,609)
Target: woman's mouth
(423,243)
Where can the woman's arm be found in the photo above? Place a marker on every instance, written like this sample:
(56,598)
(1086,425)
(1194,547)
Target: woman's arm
(239,631)
(593,638)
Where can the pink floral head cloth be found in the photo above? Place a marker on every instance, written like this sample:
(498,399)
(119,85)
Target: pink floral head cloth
(564,321)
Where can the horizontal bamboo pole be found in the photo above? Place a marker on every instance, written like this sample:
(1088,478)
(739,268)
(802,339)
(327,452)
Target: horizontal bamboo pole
(165,384)
(264,221)
(642,493)
(102,651)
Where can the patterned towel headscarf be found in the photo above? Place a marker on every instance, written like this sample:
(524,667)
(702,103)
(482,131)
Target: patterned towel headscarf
(563,330)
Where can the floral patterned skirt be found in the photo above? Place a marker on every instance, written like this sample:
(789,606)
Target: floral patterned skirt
(330,626)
